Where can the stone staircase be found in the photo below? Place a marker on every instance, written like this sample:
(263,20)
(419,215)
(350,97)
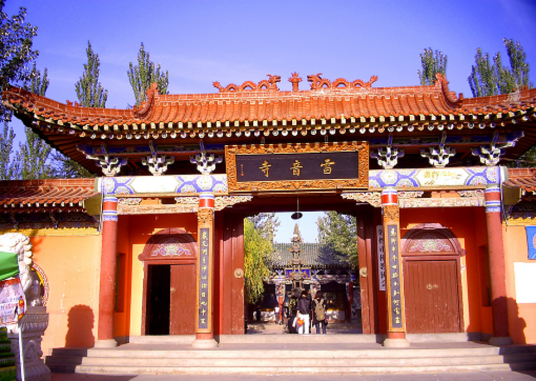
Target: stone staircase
(264,354)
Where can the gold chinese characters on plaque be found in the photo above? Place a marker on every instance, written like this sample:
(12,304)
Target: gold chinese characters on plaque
(284,167)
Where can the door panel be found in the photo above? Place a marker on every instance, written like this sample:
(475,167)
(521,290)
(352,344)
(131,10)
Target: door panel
(182,300)
(431,291)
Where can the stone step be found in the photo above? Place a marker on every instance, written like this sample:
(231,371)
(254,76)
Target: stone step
(307,362)
(300,351)
(293,358)
(262,370)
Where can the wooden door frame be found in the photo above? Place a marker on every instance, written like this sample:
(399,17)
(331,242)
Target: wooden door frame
(455,253)
(181,236)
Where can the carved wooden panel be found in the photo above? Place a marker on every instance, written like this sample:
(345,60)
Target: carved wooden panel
(170,244)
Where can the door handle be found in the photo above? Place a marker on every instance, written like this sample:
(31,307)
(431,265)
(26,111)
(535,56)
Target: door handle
(172,290)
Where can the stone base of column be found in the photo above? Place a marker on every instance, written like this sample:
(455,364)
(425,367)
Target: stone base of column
(499,341)
(396,343)
(110,343)
(205,343)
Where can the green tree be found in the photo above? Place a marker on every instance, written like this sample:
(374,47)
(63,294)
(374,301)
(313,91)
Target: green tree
(35,152)
(257,252)
(144,74)
(16,42)
(431,64)
(89,90)
(266,224)
(493,78)
(339,230)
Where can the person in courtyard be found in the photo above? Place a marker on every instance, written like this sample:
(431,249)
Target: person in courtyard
(319,309)
(304,309)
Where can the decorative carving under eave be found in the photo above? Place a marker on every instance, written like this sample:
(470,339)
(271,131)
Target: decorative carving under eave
(387,157)
(441,202)
(221,202)
(439,156)
(471,193)
(408,194)
(205,216)
(317,83)
(157,164)
(111,166)
(391,213)
(491,155)
(373,198)
(129,201)
(265,85)
(206,163)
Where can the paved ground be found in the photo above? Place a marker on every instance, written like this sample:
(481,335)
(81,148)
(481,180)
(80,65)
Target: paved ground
(475,376)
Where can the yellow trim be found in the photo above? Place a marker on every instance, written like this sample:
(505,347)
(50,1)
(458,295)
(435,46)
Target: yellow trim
(54,232)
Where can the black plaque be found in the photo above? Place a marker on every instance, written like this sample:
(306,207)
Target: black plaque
(299,166)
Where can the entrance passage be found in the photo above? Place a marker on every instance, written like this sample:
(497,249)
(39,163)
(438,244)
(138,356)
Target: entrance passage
(431,289)
(170,300)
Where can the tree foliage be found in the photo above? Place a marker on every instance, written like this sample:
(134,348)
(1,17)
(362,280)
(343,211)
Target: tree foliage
(339,230)
(16,53)
(144,74)
(266,224)
(489,78)
(431,64)
(89,90)
(35,152)
(257,252)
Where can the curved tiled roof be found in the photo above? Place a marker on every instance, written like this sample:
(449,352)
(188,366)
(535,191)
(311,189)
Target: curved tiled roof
(524,178)
(340,110)
(314,255)
(376,106)
(45,195)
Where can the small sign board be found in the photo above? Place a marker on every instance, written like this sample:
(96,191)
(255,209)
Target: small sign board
(284,167)
(12,301)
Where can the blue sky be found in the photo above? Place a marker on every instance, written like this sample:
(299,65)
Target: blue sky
(201,41)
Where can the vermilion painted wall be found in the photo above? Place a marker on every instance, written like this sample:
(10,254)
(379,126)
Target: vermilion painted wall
(521,316)
(134,232)
(468,225)
(72,266)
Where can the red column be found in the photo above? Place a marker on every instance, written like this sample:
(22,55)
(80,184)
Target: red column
(204,330)
(396,330)
(497,267)
(107,273)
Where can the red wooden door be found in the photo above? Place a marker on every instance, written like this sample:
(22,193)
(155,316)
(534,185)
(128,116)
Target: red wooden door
(182,300)
(432,300)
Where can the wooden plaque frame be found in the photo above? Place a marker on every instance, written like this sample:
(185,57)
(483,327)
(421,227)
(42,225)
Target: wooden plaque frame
(300,150)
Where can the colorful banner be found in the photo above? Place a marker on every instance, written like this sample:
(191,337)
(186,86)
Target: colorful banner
(12,301)
(531,241)
(9,265)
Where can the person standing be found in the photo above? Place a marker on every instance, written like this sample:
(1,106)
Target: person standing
(319,308)
(304,308)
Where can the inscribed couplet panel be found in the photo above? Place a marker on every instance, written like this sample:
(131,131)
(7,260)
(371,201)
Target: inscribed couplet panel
(203,301)
(394,276)
(297,166)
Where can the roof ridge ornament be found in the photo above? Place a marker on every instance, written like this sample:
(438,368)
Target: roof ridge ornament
(269,84)
(295,80)
(144,107)
(319,83)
